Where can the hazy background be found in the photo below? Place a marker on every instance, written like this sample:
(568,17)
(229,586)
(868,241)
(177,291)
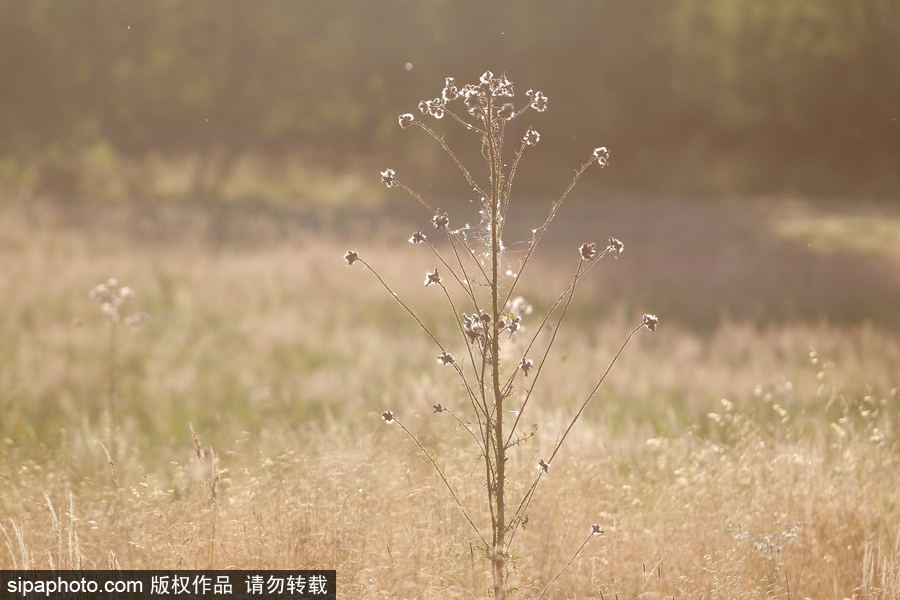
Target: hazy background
(711,97)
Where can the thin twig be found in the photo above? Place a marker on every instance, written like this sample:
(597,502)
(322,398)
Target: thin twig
(443,478)
(590,535)
(594,391)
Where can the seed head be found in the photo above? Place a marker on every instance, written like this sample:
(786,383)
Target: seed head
(526,365)
(450,92)
(474,99)
(651,321)
(351,257)
(596,529)
(435,107)
(389,177)
(602,156)
(615,246)
(417,238)
(485,82)
(406,120)
(437,407)
(588,251)
(532,137)
(506,112)
(538,100)
(111,297)
(502,86)
(446,358)
(543,466)
(110,310)
(519,306)
(432,278)
(388,417)
(440,221)
(473,327)
(514,325)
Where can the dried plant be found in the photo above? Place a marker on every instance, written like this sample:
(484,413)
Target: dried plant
(111,296)
(484,307)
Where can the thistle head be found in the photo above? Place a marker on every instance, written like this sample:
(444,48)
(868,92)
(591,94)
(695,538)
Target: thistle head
(602,156)
(615,246)
(588,251)
(526,365)
(432,278)
(389,177)
(538,100)
(440,221)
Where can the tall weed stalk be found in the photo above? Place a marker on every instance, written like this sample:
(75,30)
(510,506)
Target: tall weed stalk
(485,309)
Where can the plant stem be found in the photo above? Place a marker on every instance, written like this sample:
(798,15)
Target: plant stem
(497,557)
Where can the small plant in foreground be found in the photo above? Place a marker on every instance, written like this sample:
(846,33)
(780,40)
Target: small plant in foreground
(488,315)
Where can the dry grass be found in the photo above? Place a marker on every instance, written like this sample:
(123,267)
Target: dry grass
(282,359)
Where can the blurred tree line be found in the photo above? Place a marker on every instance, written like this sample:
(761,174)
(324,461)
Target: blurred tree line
(704,96)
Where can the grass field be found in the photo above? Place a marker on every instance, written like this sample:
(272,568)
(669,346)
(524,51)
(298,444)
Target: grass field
(749,448)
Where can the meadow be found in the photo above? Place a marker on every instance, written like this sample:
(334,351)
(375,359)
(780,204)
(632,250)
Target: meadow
(748,448)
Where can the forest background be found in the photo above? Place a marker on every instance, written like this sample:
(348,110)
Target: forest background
(713,97)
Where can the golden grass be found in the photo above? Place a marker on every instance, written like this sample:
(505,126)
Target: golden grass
(282,359)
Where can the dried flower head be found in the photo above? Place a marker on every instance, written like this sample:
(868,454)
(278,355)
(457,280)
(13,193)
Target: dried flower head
(388,417)
(110,310)
(406,120)
(435,107)
(602,156)
(532,137)
(588,251)
(474,99)
(446,358)
(519,306)
(437,407)
(506,111)
(514,325)
(473,327)
(502,86)
(351,257)
(440,221)
(484,82)
(111,297)
(538,100)
(596,529)
(651,321)
(615,246)
(450,92)
(526,365)
(543,466)
(389,177)
(417,238)
(432,278)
